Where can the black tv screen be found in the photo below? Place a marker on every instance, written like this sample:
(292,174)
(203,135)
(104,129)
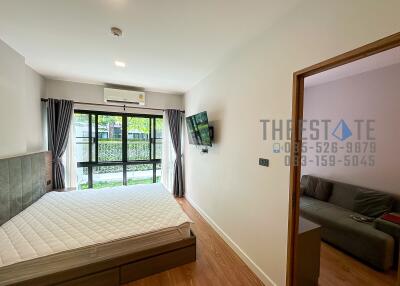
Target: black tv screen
(198,129)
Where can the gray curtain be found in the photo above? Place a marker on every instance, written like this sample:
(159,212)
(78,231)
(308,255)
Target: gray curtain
(175,127)
(59,115)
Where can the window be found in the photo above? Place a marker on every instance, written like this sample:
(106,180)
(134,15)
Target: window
(139,147)
(109,146)
(114,149)
(82,137)
(140,174)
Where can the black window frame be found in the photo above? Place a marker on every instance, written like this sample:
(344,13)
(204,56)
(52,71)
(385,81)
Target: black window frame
(94,162)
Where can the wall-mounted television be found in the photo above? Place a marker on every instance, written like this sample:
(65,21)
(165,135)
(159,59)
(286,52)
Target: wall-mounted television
(199,132)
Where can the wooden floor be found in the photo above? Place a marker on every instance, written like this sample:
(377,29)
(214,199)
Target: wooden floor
(338,268)
(216,265)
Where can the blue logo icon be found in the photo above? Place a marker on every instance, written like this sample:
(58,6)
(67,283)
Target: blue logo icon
(342,131)
(276,148)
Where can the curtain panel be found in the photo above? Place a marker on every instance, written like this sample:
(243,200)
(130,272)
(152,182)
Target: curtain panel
(174,120)
(168,157)
(69,159)
(59,114)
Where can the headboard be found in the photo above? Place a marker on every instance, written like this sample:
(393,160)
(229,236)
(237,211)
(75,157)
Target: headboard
(23,180)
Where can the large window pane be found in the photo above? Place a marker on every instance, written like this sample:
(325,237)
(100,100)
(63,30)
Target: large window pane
(100,136)
(158,173)
(82,137)
(140,174)
(93,118)
(158,138)
(82,178)
(138,138)
(110,138)
(107,176)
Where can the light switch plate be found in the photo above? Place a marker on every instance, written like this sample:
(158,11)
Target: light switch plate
(263,162)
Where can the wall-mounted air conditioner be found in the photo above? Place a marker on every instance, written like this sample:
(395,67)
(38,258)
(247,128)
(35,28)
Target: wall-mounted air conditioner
(112,95)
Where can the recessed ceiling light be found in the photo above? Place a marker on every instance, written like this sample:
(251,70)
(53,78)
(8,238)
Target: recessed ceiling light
(120,64)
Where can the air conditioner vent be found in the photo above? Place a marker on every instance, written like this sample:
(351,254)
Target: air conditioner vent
(112,95)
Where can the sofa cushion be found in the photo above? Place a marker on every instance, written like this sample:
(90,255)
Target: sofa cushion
(372,204)
(360,239)
(343,195)
(323,213)
(310,184)
(323,190)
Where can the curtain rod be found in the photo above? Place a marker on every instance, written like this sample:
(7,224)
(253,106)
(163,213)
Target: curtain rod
(114,105)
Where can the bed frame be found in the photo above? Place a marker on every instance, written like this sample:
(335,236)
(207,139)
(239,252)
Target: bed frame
(122,269)
(110,272)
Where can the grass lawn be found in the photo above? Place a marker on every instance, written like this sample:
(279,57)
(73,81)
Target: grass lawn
(105,184)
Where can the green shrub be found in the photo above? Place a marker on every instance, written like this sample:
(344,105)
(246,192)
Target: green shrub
(111,150)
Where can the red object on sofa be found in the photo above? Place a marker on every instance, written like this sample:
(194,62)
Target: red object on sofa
(392,218)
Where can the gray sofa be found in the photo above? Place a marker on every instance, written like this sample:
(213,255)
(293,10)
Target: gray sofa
(333,205)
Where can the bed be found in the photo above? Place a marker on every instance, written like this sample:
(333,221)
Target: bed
(89,237)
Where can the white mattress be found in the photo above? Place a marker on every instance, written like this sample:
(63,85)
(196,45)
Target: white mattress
(65,221)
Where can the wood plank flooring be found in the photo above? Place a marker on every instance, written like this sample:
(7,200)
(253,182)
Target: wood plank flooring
(217,264)
(338,268)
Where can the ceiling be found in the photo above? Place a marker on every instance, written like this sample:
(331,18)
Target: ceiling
(377,61)
(167,45)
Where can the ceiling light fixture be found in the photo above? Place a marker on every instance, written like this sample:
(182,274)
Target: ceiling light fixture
(115,31)
(120,64)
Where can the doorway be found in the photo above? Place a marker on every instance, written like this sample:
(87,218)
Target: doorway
(296,138)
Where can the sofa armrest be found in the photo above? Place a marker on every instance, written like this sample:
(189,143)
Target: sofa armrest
(388,227)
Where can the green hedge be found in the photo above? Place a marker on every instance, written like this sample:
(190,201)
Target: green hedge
(111,150)
(139,150)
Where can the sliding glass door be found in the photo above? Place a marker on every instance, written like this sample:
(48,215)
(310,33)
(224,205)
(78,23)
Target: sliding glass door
(114,149)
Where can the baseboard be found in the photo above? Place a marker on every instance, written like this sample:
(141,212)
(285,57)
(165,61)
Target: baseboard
(246,259)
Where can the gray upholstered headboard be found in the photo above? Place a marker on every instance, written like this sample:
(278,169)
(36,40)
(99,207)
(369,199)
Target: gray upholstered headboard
(23,180)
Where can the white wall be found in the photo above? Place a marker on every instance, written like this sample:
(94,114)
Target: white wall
(83,92)
(247,202)
(20,111)
(34,123)
(371,95)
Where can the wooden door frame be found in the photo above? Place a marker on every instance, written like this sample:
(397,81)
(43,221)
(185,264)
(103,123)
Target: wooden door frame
(297,115)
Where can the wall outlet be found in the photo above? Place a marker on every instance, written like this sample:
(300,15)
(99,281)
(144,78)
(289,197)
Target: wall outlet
(263,162)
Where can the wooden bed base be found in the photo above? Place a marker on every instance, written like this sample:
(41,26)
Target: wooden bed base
(123,269)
